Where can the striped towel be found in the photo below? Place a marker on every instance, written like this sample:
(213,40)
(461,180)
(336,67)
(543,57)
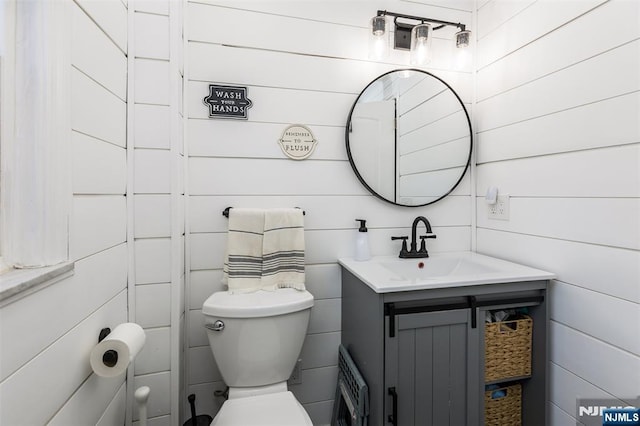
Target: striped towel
(283,249)
(265,250)
(242,269)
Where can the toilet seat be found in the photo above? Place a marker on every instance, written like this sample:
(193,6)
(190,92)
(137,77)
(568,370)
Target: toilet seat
(275,409)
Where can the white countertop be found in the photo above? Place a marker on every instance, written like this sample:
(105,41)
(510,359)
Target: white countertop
(385,274)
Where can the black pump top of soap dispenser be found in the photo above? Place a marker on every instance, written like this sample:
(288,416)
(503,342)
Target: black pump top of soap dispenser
(363,225)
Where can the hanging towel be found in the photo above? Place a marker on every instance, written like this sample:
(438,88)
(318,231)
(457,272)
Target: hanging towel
(242,269)
(283,249)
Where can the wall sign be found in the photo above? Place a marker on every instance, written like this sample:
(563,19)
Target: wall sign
(227,102)
(297,142)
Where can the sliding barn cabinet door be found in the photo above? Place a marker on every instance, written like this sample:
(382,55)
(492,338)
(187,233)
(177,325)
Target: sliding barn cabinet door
(431,369)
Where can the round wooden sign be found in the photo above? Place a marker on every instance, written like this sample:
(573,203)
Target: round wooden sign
(297,142)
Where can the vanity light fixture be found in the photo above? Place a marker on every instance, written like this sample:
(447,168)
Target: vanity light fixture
(379,37)
(414,37)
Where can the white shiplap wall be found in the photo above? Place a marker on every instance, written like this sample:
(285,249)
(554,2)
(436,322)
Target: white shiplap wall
(558,101)
(156,126)
(45,377)
(302,62)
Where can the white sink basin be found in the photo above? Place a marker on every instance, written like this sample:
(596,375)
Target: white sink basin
(436,266)
(441,270)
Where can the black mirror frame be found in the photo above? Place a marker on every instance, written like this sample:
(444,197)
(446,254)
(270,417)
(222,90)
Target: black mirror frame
(351,161)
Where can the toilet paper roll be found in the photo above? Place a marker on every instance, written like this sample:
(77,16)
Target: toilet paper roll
(112,356)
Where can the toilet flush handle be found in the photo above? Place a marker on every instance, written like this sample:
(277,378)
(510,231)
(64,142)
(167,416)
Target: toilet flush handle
(216,326)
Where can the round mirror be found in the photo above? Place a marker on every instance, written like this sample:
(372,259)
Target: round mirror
(409,138)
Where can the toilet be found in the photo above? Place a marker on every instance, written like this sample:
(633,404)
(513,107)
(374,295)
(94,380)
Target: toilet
(256,339)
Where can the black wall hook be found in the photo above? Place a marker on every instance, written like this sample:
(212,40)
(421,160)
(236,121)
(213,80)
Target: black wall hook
(103,333)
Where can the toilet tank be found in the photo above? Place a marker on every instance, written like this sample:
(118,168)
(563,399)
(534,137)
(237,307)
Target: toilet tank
(262,334)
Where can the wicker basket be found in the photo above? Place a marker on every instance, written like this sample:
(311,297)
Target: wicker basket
(508,349)
(506,410)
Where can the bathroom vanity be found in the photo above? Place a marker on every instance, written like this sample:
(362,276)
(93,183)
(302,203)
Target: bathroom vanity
(415,329)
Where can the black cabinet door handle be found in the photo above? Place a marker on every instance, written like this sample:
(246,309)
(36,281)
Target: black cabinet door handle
(393,417)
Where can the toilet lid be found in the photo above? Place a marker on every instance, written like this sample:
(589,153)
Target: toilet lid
(275,409)
(261,303)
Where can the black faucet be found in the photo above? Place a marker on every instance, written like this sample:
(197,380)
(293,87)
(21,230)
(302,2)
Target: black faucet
(414,253)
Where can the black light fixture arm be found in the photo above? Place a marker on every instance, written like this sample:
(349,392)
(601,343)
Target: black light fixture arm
(418,18)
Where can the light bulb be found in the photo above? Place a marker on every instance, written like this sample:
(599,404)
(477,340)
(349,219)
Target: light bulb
(421,44)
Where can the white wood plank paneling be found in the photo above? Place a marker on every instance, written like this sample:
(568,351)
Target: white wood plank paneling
(302,71)
(281,106)
(232,176)
(231,163)
(153,41)
(152,215)
(155,356)
(325,316)
(209,138)
(561,136)
(114,414)
(195,329)
(207,250)
(515,33)
(582,83)
(609,122)
(99,222)
(97,167)
(579,174)
(495,13)
(319,350)
(202,366)
(96,279)
(152,82)
(111,17)
(50,350)
(351,12)
(558,417)
(62,366)
(96,55)
(153,302)
(322,281)
(318,384)
(299,37)
(152,173)
(619,375)
(90,402)
(160,403)
(607,270)
(152,126)
(96,111)
(203,284)
(560,48)
(159,7)
(153,260)
(564,218)
(574,307)
(206,211)
(566,387)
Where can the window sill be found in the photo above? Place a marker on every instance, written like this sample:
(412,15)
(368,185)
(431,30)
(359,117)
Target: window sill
(18,283)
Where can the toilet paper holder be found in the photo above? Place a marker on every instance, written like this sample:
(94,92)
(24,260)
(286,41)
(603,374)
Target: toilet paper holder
(110,357)
(103,333)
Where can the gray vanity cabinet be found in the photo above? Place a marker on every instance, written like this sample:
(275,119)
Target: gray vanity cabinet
(422,352)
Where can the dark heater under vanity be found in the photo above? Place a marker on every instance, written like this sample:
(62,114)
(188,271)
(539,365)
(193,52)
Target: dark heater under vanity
(422,352)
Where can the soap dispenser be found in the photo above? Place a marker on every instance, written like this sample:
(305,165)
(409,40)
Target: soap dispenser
(362,242)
